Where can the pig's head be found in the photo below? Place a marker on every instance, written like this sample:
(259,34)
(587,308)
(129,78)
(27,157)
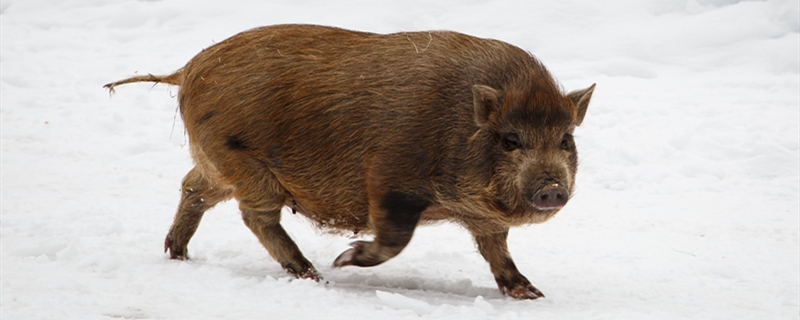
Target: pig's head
(526,136)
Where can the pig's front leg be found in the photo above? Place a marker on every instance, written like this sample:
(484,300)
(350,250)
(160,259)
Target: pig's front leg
(494,249)
(394,219)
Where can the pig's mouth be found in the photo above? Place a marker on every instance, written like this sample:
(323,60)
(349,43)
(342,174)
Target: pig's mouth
(550,197)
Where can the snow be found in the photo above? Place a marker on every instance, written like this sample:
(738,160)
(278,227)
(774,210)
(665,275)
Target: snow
(688,201)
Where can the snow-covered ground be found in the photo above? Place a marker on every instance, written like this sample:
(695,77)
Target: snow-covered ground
(688,189)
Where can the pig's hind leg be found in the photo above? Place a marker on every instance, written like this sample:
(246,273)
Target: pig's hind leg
(261,199)
(198,194)
(267,228)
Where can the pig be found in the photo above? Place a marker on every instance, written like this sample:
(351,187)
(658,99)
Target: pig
(374,134)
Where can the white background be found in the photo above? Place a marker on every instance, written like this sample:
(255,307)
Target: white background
(686,207)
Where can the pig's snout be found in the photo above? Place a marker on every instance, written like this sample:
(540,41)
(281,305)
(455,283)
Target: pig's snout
(551,197)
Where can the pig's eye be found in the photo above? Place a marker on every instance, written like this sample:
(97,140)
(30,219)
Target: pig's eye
(565,141)
(511,142)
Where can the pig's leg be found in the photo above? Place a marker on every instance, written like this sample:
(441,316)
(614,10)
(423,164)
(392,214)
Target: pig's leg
(266,226)
(261,198)
(511,282)
(197,195)
(394,217)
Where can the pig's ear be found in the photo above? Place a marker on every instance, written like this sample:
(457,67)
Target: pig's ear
(580,98)
(486,100)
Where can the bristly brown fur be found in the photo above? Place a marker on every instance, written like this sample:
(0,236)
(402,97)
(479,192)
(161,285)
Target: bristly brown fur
(377,134)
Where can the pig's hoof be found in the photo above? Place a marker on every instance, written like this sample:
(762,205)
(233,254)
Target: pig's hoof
(175,252)
(348,257)
(522,291)
(307,273)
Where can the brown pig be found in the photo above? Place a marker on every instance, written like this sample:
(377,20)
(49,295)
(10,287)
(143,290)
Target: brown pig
(376,134)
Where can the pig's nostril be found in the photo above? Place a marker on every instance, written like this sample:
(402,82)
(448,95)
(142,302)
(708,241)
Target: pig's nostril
(550,197)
